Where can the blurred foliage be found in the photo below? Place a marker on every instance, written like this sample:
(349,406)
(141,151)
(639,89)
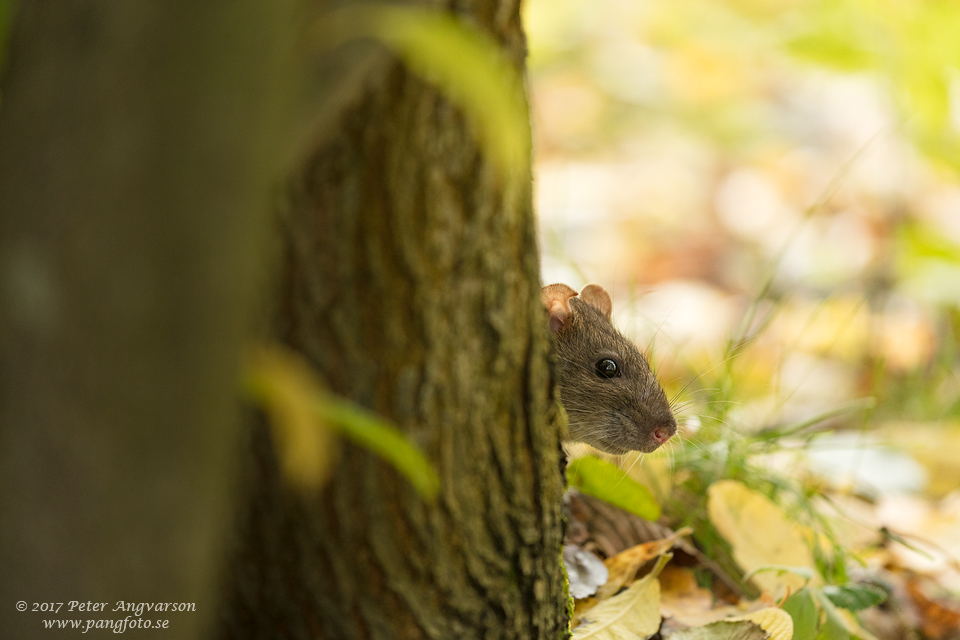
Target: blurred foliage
(465,63)
(803,611)
(770,189)
(605,481)
(854,597)
(304,418)
(770,185)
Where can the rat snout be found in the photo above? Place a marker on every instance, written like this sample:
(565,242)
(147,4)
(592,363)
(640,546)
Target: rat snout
(661,434)
(664,431)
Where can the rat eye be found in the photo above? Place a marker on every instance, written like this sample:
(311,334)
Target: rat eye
(607,368)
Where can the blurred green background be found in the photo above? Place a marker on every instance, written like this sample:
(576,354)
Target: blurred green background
(769,188)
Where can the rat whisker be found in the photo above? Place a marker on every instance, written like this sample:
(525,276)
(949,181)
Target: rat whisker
(660,326)
(715,419)
(627,472)
(736,402)
(670,453)
(676,396)
(733,353)
(694,443)
(677,408)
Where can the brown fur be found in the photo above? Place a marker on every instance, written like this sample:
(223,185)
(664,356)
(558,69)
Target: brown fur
(617,414)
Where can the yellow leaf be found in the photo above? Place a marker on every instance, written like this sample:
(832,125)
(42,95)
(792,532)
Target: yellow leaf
(775,622)
(760,534)
(304,417)
(633,614)
(286,387)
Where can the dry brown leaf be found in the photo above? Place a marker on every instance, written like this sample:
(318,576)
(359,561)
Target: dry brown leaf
(580,607)
(623,566)
(685,602)
(938,619)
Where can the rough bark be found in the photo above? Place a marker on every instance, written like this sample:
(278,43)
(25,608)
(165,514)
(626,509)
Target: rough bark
(410,280)
(138,144)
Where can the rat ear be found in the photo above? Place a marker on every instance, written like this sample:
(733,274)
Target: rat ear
(556,300)
(597,296)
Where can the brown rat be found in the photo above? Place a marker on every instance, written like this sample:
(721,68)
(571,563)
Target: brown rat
(611,396)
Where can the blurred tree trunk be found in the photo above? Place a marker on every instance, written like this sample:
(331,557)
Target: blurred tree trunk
(410,280)
(138,144)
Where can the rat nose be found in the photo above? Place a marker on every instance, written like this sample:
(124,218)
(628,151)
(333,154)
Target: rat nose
(662,434)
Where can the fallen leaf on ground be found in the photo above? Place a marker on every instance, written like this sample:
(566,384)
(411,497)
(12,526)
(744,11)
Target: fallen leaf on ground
(580,608)
(776,622)
(760,534)
(623,566)
(742,630)
(938,618)
(766,624)
(631,615)
(689,605)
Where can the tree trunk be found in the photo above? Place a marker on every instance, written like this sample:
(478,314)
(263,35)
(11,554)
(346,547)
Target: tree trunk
(410,280)
(138,144)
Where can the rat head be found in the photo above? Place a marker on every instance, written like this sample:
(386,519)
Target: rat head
(612,398)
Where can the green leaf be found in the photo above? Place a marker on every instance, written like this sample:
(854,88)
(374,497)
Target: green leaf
(854,596)
(465,63)
(609,483)
(918,241)
(376,434)
(928,96)
(896,537)
(303,416)
(830,49)
(803,610)
(927,262)
(833,627)
(285,386)
(833,630)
